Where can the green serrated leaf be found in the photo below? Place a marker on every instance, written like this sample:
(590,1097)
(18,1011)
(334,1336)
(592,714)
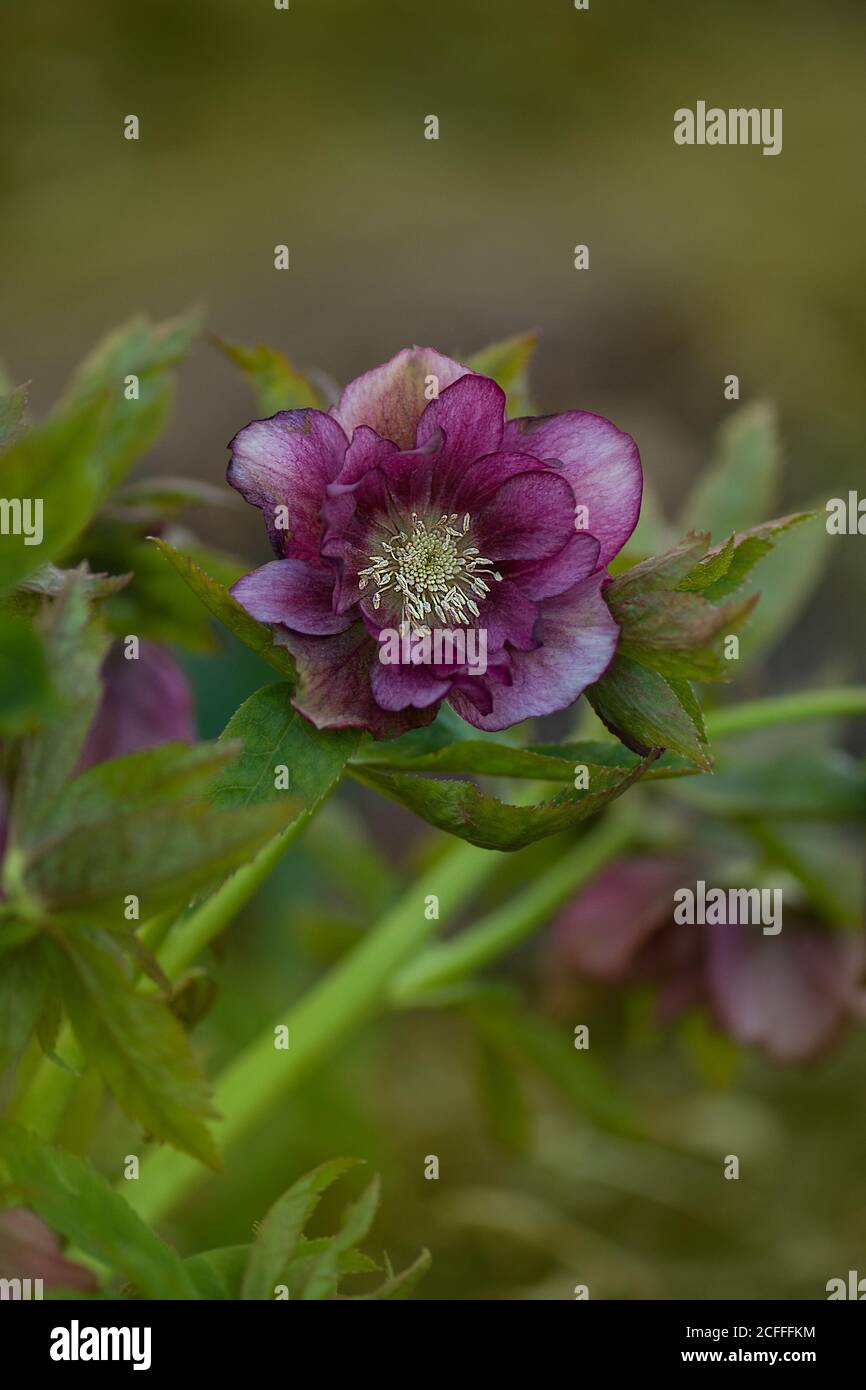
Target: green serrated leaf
(54,471)
(162,854)
(277,384)
(139,1049)
(648,711)
(148,352)
(280,1231)
(549,762)
(399,1286)
(218,601)
(274,736)
(136,782)
(459,808)
(746,549)
(356,1223)
(73,1199)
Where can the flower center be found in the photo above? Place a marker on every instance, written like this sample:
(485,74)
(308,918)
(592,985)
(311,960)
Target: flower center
(433,570)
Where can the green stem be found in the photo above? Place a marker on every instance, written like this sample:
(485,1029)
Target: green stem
(503,929)
(786,709)
(350,993)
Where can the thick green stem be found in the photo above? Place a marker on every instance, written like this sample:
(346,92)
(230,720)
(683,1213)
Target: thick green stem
(350,993)
(507,926)
(787,709)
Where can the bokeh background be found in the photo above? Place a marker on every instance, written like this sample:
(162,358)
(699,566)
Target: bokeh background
(305,127)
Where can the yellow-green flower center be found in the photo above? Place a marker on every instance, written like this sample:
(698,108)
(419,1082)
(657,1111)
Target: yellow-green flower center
(434,570)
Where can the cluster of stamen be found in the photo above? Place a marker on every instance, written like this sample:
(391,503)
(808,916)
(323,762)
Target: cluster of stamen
(434,571)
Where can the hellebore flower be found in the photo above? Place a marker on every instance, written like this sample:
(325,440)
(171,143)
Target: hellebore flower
(791,994)
(436,518)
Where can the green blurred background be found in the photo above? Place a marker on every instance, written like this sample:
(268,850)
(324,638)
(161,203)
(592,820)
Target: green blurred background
(261,127)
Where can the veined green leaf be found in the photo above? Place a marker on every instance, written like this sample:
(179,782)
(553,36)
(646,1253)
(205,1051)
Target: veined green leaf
(162,854)
(136,782)
(136,1044)
(74,1199)
(459,808)
(218,601)
(649,711)
(280,1231)
(549,762)
(274,737)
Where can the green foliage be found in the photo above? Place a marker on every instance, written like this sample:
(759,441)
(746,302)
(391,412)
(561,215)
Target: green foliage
(741,486)
(73,1199)
(73,460)
(273,734)
(282,1227)
(74,646)
(218,601)
(276,384)
(507,362)
(27,691)
(461,809)
(649,711)
(135,1043)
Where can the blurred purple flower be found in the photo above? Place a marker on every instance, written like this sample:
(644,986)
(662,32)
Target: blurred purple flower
(395,513)
(30,1250)
(792,994)
(144,703)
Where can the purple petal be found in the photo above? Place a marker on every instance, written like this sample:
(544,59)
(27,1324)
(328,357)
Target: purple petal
(578,638)
(790,994)
(390,399)
(530,517)
(543,578)
(399,687)
(601,463)
(507,615)
(293,593)
(334,689)
(30,1250)
(471,414)
(601,933)
(288,461)
(145,702)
